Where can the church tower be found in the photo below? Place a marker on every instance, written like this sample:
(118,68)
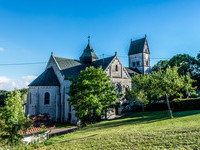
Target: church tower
(88,55)
(139,56)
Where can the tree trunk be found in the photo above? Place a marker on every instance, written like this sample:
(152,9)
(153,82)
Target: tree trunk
(142,110)
(169,108)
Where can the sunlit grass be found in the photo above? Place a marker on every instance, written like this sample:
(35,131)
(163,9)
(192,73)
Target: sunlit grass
(154,131)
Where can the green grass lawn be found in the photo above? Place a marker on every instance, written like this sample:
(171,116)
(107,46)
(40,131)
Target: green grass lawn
(154,131)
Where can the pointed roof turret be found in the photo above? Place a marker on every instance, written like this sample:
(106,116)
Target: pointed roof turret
(137,46)
(88,55)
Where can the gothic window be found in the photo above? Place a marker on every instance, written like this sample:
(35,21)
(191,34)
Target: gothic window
(30,98)
(133,64)
(46,98)
(116,68)
(138,63)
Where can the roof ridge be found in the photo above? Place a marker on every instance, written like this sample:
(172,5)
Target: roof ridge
(65,58)
(105,58)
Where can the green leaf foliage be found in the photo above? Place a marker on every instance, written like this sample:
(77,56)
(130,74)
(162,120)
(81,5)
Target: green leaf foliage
(12,118)
(161,83)
(170,83)
(161,65)
(92,95)
(185,63)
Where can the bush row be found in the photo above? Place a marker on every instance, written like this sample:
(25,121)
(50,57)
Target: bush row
(176,105)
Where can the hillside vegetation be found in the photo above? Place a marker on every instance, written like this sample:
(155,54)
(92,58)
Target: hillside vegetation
(154,131)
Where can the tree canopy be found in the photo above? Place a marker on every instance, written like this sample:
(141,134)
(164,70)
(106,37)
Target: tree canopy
(12,118)
(92,95)
(161,65)
(162,83)
(185,63)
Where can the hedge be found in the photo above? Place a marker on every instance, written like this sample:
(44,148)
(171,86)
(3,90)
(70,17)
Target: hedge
(176,105)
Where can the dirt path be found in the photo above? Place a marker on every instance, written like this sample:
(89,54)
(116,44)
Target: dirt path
(61,131)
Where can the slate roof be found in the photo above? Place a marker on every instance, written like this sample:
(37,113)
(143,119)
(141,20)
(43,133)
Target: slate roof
(132,71)
(71,68)
(137,46)
(103,62)
(89,52)
(47,78)
(136,70)
(65,63)
(74,71)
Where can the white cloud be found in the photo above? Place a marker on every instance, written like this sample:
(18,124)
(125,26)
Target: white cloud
(10,84)
(4,80)
(1,49)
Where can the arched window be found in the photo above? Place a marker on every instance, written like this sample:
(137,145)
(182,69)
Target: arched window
(30,98)
(116,68)
(46,98)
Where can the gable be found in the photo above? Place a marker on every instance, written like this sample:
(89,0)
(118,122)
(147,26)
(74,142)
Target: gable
(146,48)
(120,72)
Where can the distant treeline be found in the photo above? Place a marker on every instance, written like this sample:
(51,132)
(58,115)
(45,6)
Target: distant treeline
(3,96)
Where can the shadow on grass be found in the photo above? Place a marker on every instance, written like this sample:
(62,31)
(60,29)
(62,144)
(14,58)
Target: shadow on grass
(185,113)
(136,118)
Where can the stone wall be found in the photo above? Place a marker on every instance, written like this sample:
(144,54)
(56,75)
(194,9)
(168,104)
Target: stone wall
(37,106)
(134,59)
(146,59)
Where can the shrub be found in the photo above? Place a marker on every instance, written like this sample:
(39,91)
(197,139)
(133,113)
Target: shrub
(176,105)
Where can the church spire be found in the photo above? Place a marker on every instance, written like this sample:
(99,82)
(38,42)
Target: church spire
(88,39)
(88,55)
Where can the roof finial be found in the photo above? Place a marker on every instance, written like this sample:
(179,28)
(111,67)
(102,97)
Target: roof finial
(131,40)
(115,53)
(145,36)
(51,53)
(88,39)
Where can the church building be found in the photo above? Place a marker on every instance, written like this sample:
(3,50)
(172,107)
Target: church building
(49,92)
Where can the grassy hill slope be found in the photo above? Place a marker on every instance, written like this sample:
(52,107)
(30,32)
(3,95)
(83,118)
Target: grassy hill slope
(155,131)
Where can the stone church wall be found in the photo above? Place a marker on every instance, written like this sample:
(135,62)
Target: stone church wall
(37,105)
(134,59)
(146,63)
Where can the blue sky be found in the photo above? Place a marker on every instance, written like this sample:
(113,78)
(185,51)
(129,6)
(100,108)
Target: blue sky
(30,30)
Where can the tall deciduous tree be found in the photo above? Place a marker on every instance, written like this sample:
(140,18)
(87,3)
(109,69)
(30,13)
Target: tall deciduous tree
(141,91)
(92,95)
(12,118)
(170,83)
